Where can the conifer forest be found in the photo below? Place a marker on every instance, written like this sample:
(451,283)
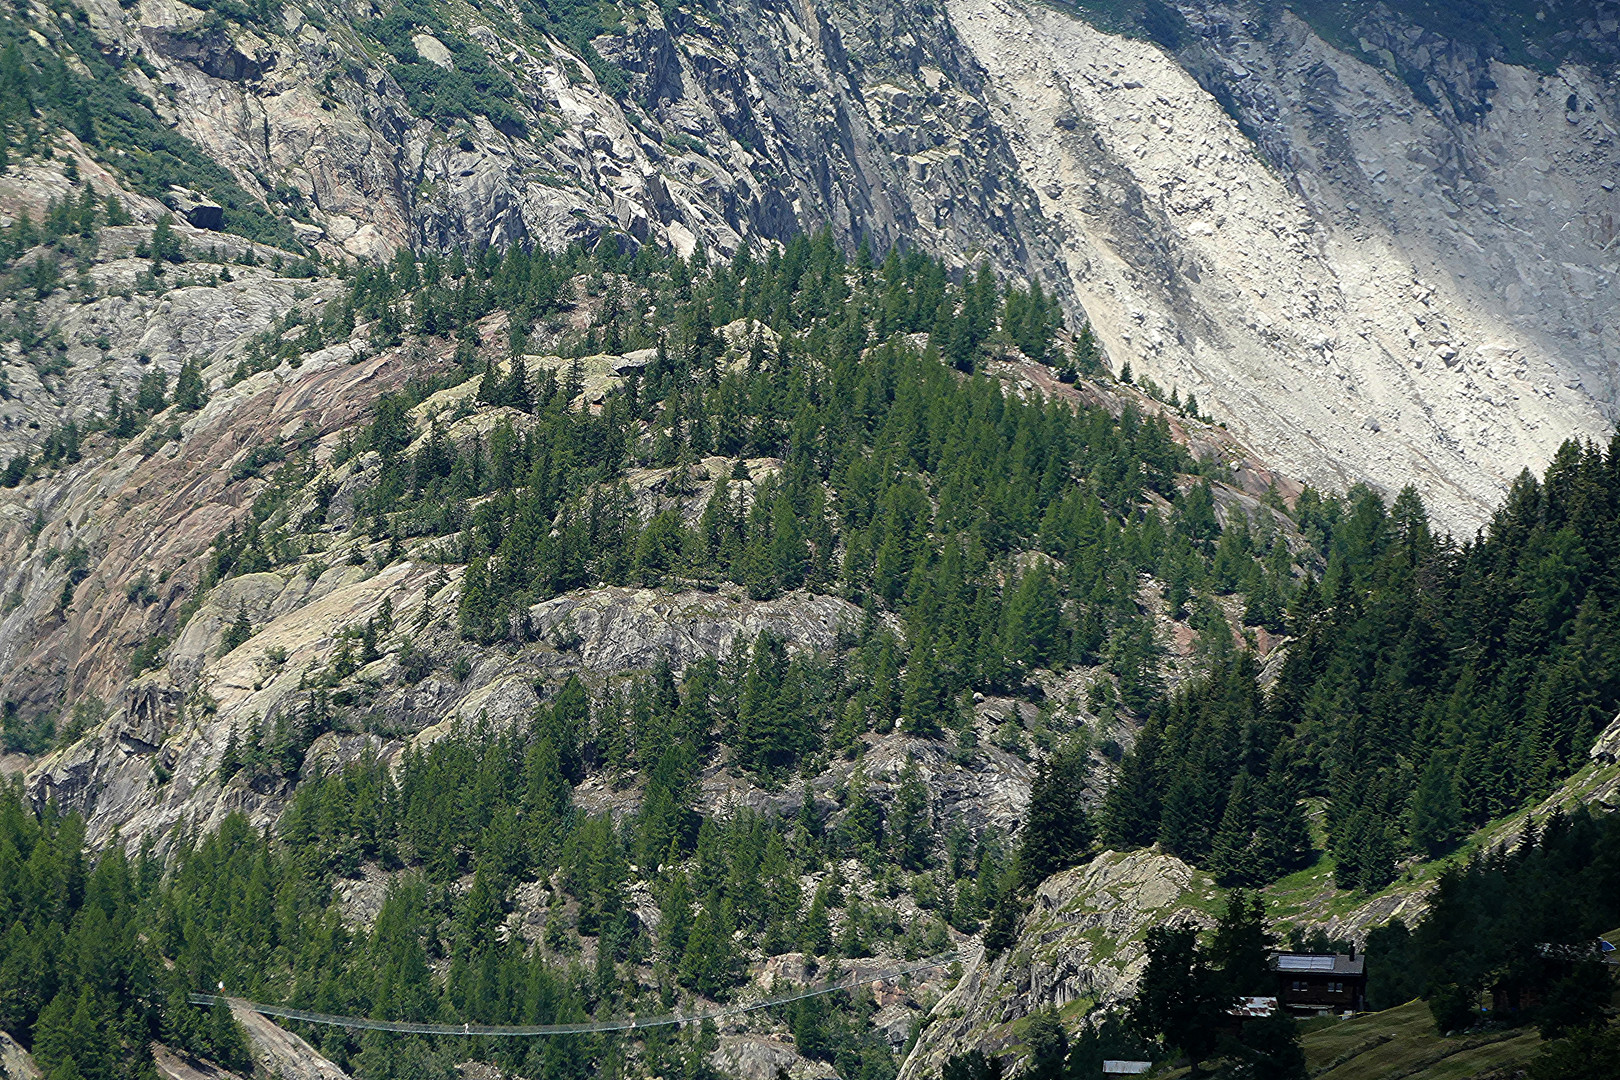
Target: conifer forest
(700,537)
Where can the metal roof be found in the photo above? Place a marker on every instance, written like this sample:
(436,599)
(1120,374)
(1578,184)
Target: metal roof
(1304,963)
(1326,963)
(1126,1068)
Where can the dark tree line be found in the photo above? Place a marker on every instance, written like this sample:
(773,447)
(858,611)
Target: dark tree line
(1513,930)
(1431,686)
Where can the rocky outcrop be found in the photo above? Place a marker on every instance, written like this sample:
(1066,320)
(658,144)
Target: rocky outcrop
(279,1053)
(631,629)
(104,337)
(1606,747)
(15,1062)
(1081,940)
(751,1057)
(143,515)
(172,1065)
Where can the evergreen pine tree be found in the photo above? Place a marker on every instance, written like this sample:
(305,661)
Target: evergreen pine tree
(238,632)
(1034,619)
(1184,826)
(675,918)
(909,820)
(925,704)
(790,556)
(710,964)
(1131,809)
(513,391)
(55,1039)
(1231,857)
(547,800)
(815,936)
(480,612)
(1002,932)
(489,386)
(1087,354)
(1241,946)
(757,572)
(1436,812)
(1059,831)
(1179,998)
(1282,839)
(567,723)
(190,393)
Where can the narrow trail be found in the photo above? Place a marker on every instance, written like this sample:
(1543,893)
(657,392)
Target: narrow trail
(632,1023)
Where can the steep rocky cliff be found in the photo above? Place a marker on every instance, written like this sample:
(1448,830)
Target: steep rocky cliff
(1361,282)
(1384,258)
(1374,253)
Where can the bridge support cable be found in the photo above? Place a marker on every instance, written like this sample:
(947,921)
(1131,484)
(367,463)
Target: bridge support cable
(632,1023)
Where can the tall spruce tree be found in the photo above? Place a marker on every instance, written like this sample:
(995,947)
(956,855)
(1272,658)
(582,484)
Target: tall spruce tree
(1058,833)
(1436,812)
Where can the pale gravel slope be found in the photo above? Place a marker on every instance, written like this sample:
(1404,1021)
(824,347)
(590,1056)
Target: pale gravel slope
(1327,347)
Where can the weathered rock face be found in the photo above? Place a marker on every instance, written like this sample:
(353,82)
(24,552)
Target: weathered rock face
(738,122)
(279,1053)
(1392,264)
(15,1062)
(1355,280)
(1606,747)
(91,350)
(750,1057)
(1083,938)
(175,1066)
(143,515)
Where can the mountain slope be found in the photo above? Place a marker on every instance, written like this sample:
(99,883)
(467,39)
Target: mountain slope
(1341,322)
(1387,260)
(1080,947)
(515,554)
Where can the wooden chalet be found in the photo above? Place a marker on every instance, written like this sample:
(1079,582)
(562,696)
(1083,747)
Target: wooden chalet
(1310,984)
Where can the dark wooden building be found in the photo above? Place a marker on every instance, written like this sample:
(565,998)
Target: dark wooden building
(1311,983)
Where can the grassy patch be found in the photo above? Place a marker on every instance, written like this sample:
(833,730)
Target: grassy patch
(1401,1042)
(1311,895)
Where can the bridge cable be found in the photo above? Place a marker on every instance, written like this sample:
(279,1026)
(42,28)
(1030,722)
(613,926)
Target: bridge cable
(632,1023)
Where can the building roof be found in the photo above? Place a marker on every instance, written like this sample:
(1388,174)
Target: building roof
(1596,949)
(1126,1068)
(1320,963)
(1251,1007)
